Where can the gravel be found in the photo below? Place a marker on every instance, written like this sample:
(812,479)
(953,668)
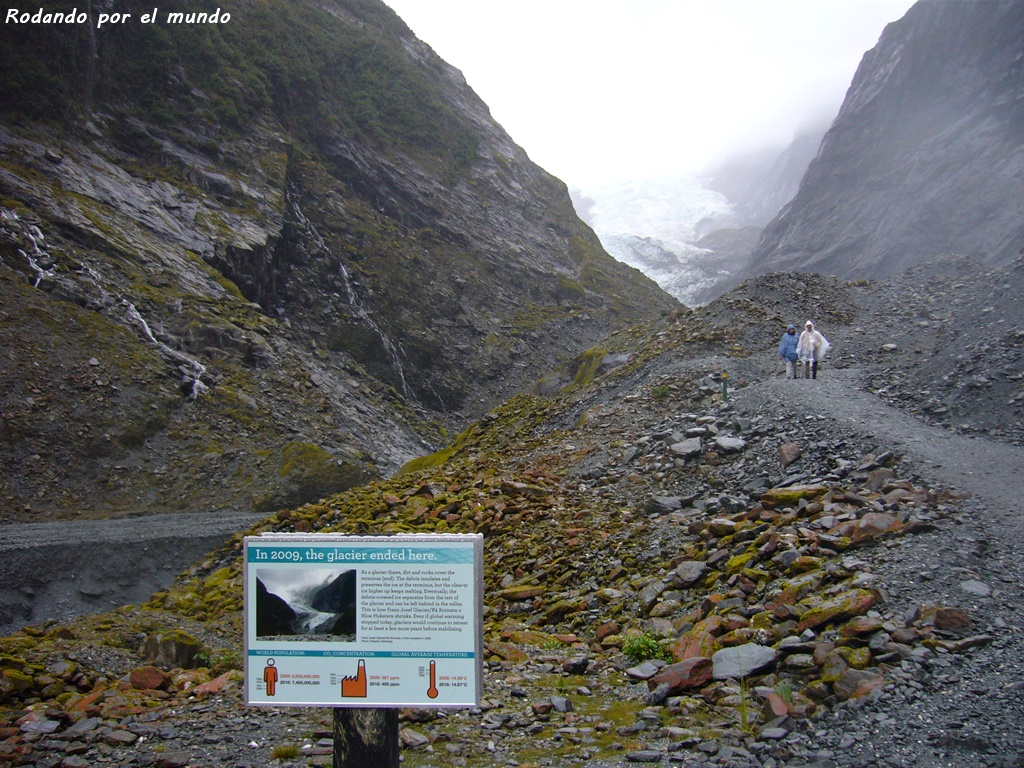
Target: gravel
(963,708)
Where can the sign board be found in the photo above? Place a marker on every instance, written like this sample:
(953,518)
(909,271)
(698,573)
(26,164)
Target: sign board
(363,621)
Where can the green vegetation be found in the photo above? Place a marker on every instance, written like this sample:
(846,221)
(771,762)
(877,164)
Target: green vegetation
(587,365)
(284,752)
(317,73)
(643,647)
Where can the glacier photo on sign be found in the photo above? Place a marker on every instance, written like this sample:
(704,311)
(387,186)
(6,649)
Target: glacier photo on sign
(306,604)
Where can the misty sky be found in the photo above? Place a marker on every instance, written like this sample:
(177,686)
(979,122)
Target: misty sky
(285,582)
(600,90)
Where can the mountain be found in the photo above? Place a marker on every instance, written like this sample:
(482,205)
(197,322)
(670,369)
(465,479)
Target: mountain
(250,263)
(692,233)
(758,184)
(273,614)
(925,156)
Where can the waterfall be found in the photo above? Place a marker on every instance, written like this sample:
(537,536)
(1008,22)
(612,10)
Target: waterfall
(196,368)
(41,274)
(36,237)
(353,299)
(364,315)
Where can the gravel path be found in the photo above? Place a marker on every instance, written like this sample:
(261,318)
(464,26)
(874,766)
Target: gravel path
(963,710)
(990,471)
(103,563)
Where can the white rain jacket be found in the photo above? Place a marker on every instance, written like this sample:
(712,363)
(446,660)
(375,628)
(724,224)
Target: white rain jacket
(812,346)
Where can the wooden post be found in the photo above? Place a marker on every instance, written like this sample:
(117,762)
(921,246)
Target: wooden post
(365,738)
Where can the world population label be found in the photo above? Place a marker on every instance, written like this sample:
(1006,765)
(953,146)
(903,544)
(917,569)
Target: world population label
(363,621)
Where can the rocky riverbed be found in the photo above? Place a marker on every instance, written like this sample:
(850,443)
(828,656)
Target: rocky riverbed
(803,575)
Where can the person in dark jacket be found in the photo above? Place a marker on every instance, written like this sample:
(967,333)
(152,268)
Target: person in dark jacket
(787,351)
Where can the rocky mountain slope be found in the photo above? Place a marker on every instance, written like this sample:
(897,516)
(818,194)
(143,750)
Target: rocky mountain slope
(759,184)
(248,264)
(925,156)
(798,575)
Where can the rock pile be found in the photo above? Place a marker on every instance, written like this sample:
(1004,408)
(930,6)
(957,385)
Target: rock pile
(670,577)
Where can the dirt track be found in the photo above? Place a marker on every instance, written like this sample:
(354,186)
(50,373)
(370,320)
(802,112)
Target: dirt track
(992,472)
(64,569)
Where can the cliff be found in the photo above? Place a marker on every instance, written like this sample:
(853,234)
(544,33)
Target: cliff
(259,261)
(925,156)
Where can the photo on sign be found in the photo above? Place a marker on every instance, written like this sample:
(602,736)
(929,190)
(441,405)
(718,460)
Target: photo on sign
(306,604)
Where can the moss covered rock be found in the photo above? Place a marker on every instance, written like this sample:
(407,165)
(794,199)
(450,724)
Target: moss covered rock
(12,683)
(791,495)
(174,649)
(838,609)
(308,473)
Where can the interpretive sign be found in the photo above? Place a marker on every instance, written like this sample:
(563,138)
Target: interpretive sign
(363,621)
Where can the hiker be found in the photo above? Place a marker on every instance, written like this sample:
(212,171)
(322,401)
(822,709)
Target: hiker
(811,348)
(787,351)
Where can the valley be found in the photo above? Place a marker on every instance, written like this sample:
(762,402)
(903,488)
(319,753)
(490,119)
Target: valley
(585,508)
(288,275)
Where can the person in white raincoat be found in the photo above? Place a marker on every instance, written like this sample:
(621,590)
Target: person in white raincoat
(810,349)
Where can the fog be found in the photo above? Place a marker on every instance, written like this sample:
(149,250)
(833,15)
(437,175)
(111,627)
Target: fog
(289,582)
(598,90)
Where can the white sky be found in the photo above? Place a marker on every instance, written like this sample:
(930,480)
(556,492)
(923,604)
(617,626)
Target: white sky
(601,90)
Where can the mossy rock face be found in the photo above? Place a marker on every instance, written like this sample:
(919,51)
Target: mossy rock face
(530,637)
(435,459)
(568,290)
(805,564)
(833,667)
(522,592)
(857,658)
(174,649)
(560,610)
(13,682)
(838,609)
(796,588)
(701,640)
(785,497)
(739,562)
(505,651)
(309,473)
(587,365)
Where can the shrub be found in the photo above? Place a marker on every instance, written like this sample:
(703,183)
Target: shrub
(284,752)
(643,647)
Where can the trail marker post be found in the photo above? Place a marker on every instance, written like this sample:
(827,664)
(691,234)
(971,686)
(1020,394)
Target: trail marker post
(365,625)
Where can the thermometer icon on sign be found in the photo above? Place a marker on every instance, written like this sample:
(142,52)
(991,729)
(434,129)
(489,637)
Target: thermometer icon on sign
(432,690)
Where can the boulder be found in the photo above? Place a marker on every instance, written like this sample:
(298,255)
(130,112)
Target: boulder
(174,649)
(742,660)
(149,678)
(838,609)
(856,683)
(730,444)
(788,453)
(662,505)
(695,672)
(688,573)
(687,448)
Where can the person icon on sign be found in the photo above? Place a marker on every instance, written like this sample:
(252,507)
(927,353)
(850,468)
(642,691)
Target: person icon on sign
(270,677)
